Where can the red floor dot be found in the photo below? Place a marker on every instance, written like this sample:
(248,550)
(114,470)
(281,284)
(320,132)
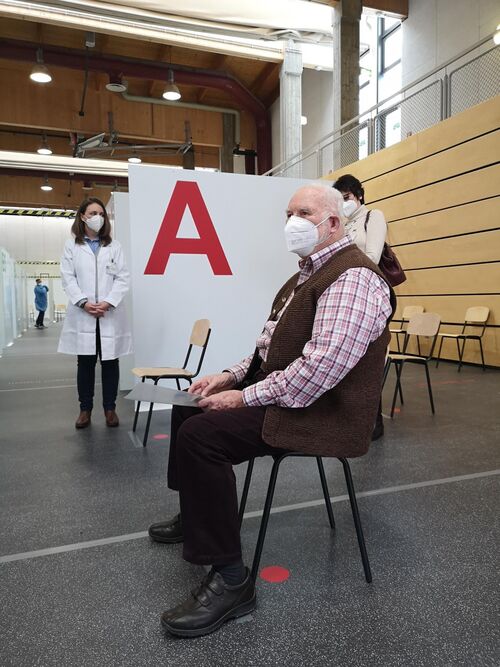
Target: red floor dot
(274,574)
(160,436)
(397,409)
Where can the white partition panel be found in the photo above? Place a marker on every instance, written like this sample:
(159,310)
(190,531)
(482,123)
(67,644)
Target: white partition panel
(238,221)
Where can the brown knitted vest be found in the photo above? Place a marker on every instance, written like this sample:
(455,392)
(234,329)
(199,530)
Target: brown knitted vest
(340,422)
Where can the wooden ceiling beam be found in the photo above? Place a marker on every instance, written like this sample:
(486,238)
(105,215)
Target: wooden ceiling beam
(262,77)
(218,63)
(396,8)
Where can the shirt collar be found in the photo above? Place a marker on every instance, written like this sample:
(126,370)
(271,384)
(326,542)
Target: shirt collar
(316,261)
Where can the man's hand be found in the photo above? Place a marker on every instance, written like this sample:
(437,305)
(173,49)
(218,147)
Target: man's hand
(224,400)
(212,384)
(102,307)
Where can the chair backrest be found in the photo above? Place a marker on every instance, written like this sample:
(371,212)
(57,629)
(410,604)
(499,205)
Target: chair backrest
(199,337)
(424,324)
(199,334)
(409,311)
(477,315)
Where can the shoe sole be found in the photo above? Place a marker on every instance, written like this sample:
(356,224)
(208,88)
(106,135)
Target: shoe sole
(80,426)
(112,425)
(241,610)
(167,540)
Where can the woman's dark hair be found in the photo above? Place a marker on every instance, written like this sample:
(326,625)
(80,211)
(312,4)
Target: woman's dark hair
(349,183)
(78,227)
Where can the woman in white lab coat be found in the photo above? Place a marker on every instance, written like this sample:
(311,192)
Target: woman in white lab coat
(95,279)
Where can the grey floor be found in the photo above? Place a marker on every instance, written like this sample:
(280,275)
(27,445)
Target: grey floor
(428,495)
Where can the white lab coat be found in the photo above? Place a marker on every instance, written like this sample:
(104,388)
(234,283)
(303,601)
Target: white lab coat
(101,277)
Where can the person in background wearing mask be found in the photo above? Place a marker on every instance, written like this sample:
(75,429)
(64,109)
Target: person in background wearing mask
(40,302)
(368,229)
(95,279)
(312,385)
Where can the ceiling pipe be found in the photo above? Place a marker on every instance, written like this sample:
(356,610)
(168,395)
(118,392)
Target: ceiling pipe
(59,175)
(189,105)
(145,69)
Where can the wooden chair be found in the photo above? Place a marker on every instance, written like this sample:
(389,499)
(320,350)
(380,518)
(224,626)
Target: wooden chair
(199,337)
(425,325)
(406,315)
(475,317)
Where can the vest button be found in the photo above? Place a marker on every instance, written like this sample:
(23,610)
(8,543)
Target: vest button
(283,299)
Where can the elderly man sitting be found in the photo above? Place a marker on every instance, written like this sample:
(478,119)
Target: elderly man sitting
(312,385)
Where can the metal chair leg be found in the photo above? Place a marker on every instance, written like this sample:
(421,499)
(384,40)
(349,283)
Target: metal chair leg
(439,352)
(429,387)
(178,383)
(137,412)
(461,353)
(418,346)
(246,486)
(265,516)
(399,369)
(150,413)
(386,371)
(357,520)
(482,355)
(326,493)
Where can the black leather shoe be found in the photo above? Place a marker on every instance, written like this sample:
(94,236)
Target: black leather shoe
(210,606)
(168,532)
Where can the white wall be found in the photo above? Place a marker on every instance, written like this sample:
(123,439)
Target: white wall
(437,30)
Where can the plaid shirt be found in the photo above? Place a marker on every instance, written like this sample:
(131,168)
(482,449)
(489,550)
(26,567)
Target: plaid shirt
(350,314)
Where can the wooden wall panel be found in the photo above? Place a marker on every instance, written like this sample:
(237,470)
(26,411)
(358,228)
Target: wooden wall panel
(478,184)
(473,248)
(440,193)
(470,217)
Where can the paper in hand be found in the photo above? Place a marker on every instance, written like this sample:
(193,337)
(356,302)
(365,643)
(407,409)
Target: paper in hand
(150,393)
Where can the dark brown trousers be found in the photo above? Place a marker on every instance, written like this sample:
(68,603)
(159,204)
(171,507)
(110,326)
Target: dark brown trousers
(204,446)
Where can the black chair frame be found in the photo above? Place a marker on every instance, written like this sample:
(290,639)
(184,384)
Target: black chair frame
(464,337)
(177,378)
(269,500)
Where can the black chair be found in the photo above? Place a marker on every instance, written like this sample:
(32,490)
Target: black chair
(269,500)
(199,337)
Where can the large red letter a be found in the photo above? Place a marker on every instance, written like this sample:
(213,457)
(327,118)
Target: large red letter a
(187,193)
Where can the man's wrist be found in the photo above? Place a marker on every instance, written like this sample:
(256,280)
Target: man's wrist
(81,303)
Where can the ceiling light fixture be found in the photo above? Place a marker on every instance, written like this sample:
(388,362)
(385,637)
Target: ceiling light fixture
(171,91)
(134,159)
(303,120)
(116,84)
(46,186)
(87,185)
(44,149)
(40,73)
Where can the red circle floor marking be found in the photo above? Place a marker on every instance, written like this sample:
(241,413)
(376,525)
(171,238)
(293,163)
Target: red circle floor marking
(274,574)
(397,409)
(160,436)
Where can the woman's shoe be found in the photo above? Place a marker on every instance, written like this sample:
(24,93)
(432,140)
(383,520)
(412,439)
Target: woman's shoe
(111,418)
(83,419)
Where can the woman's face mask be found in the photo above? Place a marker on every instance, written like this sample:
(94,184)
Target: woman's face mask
(350,206)
(95,222)
(302,235)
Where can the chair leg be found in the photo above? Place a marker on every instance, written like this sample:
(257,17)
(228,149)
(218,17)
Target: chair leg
(460,353)
(265,516)
(429,387)
(150,413)
(439,352)
(326,493)
(178,383)
(397,341)
(357,520)
(482,355)
(418,346)
(399,370)
(386,371)
(246,486)
(137,412)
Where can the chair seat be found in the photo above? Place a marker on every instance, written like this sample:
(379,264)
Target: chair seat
(407,357)
(397,331)
(161,372)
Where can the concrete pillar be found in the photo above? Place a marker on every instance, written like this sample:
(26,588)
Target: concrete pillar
(291,106)
(347,15)
(226,155)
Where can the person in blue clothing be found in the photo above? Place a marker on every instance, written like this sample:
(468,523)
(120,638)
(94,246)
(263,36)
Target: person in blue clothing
(40,302)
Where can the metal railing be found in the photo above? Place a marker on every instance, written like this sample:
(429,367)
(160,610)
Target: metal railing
(450,88)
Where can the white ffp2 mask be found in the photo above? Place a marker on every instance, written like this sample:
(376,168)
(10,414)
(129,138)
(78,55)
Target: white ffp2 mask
(302,236)
(95,223)
(349,207)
